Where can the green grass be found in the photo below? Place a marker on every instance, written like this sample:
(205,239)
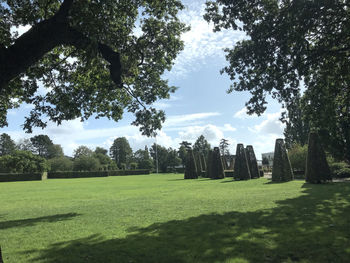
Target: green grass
(163,218)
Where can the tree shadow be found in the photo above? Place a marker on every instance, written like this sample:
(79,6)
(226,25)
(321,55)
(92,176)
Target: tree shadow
(313,227)
(37,220)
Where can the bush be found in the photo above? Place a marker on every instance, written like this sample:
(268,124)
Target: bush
(340,170)
(297,157)
(22,162)
(86,163)
(13,177)
(133,166)
(76,174)
(229,173)
(60,164)
(128,172)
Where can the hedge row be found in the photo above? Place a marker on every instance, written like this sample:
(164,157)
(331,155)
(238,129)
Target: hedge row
(12,177)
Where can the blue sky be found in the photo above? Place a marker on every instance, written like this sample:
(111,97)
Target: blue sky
(199,106)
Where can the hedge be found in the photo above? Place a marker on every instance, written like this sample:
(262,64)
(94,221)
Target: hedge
(72,174)
(229,173)
(14,177)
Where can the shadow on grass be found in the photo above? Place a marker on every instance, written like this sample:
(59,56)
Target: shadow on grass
(37,220)
(314,227)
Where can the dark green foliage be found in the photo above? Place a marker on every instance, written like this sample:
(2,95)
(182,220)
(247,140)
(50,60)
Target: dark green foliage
(229,173)
(72,174)
(60,164)
(143,159)
(133,166)
(82,151)
(297,155)
(41,144)
(129,172)
(281,170)
(22,161)
(265,161)
(317,169)
(7,145)
(198,162)
(201,145)
(13,177)
(190,169)
(203,161)
(86,163)
(121,151)
(217,166)
(252,162)
(340,170)
(241,168)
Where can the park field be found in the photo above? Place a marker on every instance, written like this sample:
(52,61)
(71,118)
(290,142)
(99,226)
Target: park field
(163,218)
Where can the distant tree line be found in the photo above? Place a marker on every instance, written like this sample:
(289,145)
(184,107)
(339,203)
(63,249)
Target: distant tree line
(39,153)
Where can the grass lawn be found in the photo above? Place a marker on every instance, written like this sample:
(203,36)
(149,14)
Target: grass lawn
(163,218)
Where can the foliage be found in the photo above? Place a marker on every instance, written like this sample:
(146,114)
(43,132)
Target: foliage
(252,162)
(224,147)
(287,41)
(317,168)
(43,146)
(15,177)
(7,145)
(265,161)
(281,170)
(297,156)
(22,162)
(217,167)
(159,155)
(82,151)
(133,166)
(86,163)
(59,164)
(173,159)
(25,145)
(340,170)
(90,56)
(121,151)
(100,150)
(184,147)
(201,146)
(143,159)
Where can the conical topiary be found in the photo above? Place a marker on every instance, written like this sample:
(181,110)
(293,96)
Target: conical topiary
(241,168)
(317,169)
(281,170)
(217,165)
(198,163)
(204,165)
(190,168)
(253,164)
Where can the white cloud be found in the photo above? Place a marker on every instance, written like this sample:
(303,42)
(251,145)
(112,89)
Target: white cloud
(186,119)
(272,124)
(228,127)
(20,30)
(242,114)
(201,42)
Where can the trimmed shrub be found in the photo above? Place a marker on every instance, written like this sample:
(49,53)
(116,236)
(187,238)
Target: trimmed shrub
(252,162)
(190,169)
(86,163)
(217,165)
(241,168)
(229,173)
(298,174)
(129,172)
(14,177)
(76,174)
(281,170)
(317,169)
(198,162)
(261,173)
(209,164)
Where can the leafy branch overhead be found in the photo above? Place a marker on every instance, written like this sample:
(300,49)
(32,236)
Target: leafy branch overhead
(93,57)
(287,42)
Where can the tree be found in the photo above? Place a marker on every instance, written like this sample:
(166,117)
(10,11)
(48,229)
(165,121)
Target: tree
(25,145)
(22,162)
(7,145)
(297,155)
(265,161)
(201,146)
(173,159)
(101,151)
(82,151)
(143,159)
(224,150)
(42,145)
(86,163)
(160,156)
(60,164)
(121,151)
(290,42)
(54,151)
(90,56)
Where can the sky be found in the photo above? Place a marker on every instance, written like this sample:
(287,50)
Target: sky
(200,106)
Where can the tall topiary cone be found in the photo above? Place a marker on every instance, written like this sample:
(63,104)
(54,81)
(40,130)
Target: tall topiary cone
(204,164)
(198,163)
(281,170)
(210,164)
(252,162)
(217,165)
(241,168)
(190,168)
(317,169)
(1,260)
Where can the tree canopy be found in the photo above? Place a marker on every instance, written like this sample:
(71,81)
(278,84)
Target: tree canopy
(94,58)
(121,151)
(7,145)
(287,42)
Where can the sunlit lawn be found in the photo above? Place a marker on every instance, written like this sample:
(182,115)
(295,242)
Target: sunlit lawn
(163,218)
